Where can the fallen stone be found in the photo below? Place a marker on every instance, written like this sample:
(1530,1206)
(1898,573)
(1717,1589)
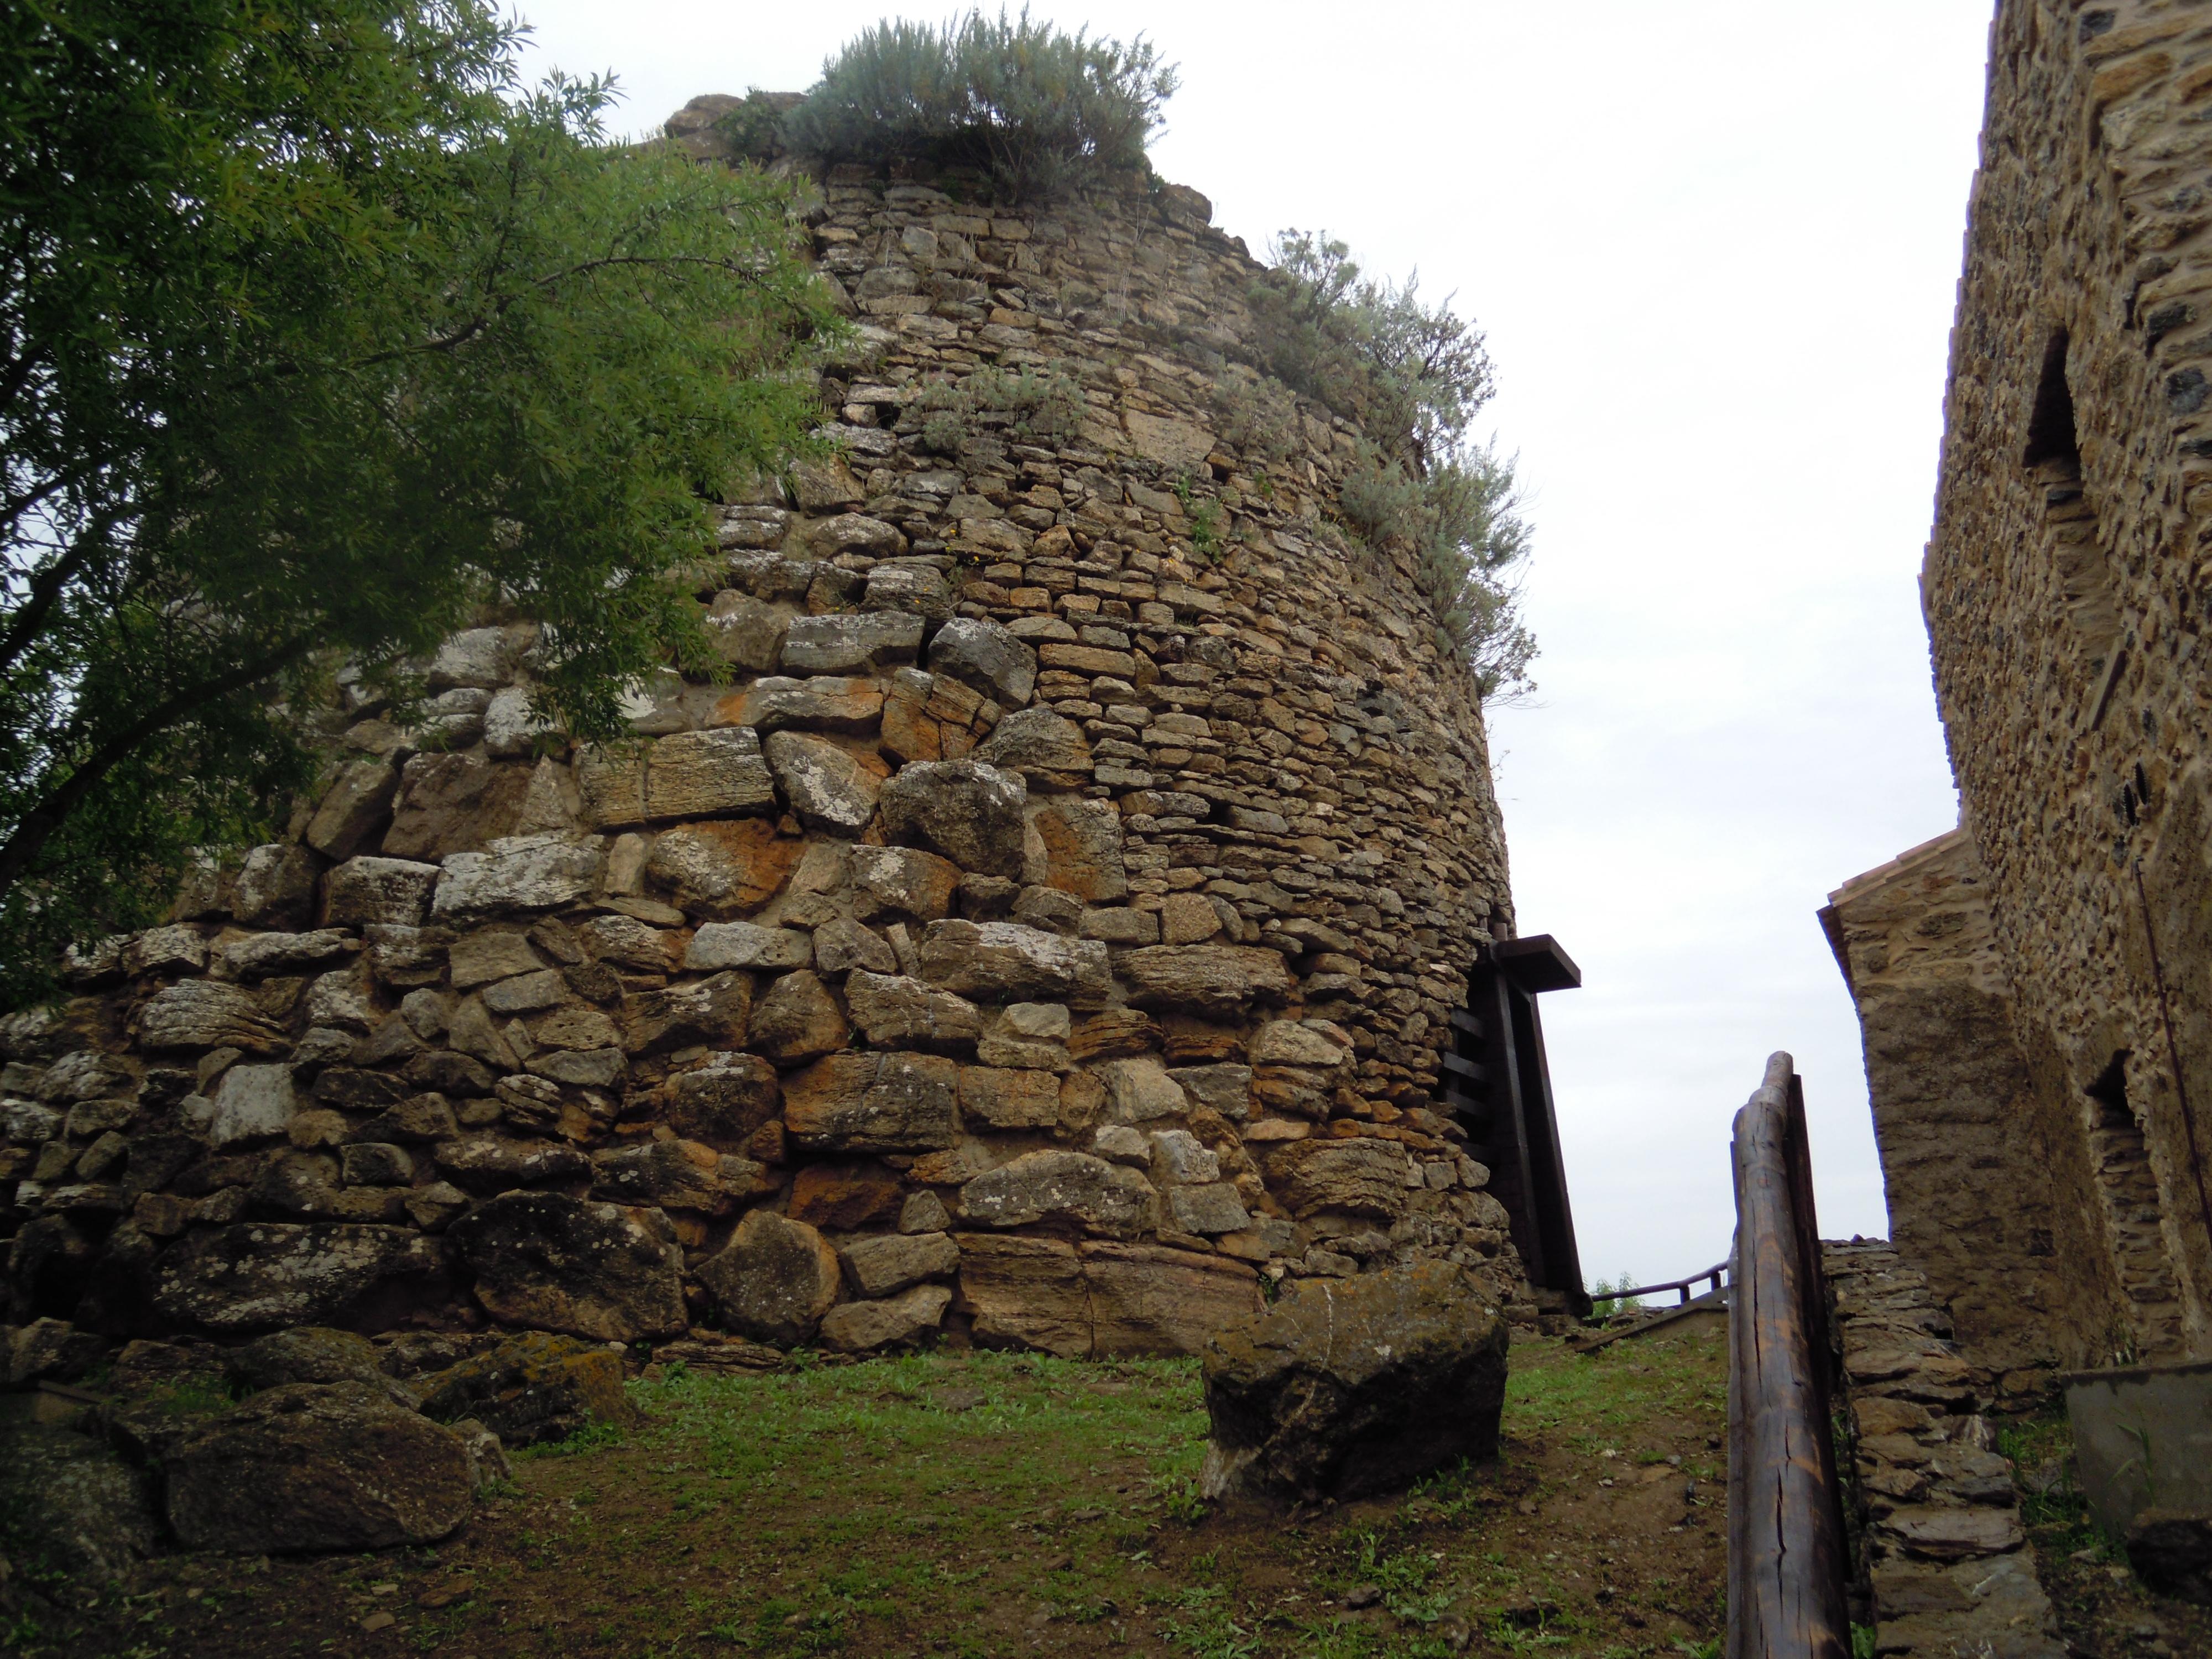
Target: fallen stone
(775,1280)
(533,1387)
(316,1465)
(1346,1388)
(901,1321)
(1101,1197)
(969,812)
(831,789)
(563,1264)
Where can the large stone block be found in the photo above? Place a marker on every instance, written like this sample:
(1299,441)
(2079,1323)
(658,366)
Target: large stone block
(1007,1098)
(364,891)
(200,1013)
(675,1174)
(895,1011)
(1041,745)
(721,944)
(1223,980)
(983,656)
(1072,1187)
(355,809)
(535,1386)
(499,1164)
(902,881)
(775,1280)
(562,1264)
(518,873)
(316,1465)
(874,1103)
(706,774)
(1024,1293)
(1148,1299)
(971,812)
(831,789)
(903,1321)
(1349,1387)
(722,869)
(1075,845)
(851,644)
(845,1198)
(276,887)
(1005,961)
(1361,1177)
(713,1013)
(455,804)
(885,1265)
(798,1020)
(825,703)
(251,1101)
(258,1275)
(724,1102)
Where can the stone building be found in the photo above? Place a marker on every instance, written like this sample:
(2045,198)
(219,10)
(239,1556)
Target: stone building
(2036,987)
(1052,927)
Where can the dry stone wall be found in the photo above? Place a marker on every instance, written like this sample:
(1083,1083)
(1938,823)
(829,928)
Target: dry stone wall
(1046,931)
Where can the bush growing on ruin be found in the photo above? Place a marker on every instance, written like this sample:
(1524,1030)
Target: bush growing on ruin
(1027,403)
(1041,110)
(316,336)
(1256,415)
(1414,376)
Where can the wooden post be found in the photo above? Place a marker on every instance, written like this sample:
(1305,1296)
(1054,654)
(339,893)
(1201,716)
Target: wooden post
(1785,1541)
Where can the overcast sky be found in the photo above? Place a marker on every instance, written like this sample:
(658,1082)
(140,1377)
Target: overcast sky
(1714,245)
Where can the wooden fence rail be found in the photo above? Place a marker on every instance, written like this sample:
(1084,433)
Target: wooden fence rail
(1786,1560)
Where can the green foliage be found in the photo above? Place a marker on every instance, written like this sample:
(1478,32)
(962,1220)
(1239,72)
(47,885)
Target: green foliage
(1043,110)
(1606,1299)
(1026,404)
(1414,376)
(317,335)
(1205,515)
(1257,414)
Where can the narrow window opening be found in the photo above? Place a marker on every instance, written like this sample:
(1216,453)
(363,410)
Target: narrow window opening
(2052,456)
(2051,436)
(2132,1205)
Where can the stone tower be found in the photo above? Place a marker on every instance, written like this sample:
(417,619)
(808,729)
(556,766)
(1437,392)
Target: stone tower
(1049,930)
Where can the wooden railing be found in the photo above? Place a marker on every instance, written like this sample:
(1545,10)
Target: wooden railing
(1786,1559)
(1712,1275)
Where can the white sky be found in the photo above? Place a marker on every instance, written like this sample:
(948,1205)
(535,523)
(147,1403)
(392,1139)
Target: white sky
(1714,244)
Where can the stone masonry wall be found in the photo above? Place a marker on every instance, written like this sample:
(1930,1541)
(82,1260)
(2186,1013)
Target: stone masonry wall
(1047,931)
(2067,588)
(1972,1172)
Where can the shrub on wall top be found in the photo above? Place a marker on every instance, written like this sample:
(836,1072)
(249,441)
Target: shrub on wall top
(1041,109)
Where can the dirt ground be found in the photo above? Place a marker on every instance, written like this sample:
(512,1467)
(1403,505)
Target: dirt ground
(988,1504)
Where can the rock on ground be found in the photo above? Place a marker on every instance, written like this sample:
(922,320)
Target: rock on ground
(775,1280)
(317,1466)
(1349,1387)
(68,1504)
(532,1387)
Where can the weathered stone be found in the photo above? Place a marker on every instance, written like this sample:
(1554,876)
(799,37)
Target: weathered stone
(628,943)
(1345,1388)
(1024,1293)
(902,881)
(1362,1177)
(1117,1143)
(258,1275)
(1118,1032)
(75,1506)
(1224,980)
(851,644)
(496,1163)
(895,1012)
(723,1103)
(870,1103)
(985,657)
(526,994)
(845,1198)
(714,1013)
(831,789)
(918,589)
(1009,1098)
(479,959)
(706,774)
(355,809)
(1028,1034)
(511,731)
(1038,744)
(1139,1091)
(775,1280)
(276,887)
(854,532)
(1175,444)
(251,1101)
(521,872)
(262,956)
(1102,1197)
(455,804)
(901,1321)
(1225,1088)
(1179,1155)
(747,635)
(723,869)
(562,1264)
(1288,1042)
(1945,1532)
(825,703)
(887,1264)
(841,944)
(1188,919)
(721,944)
(363,891)
(676,1174)
(1213,1208)
(1120,925)
(1074,845)
(971,812)
(375,1163)
(305,1353)
(533,1386)
(1148,1299)
(798,1020)
(1004,961)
